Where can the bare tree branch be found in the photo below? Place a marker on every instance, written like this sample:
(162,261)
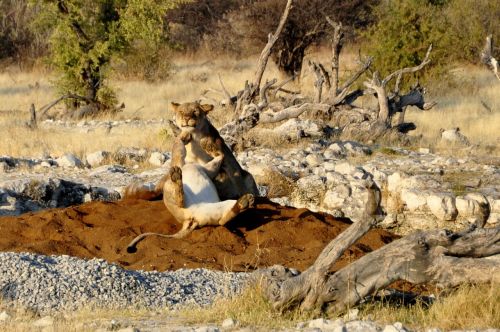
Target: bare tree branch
(266,52)
(487,56)
(408,70)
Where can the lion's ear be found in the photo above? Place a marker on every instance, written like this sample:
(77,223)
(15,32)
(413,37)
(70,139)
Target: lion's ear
(174,106)
(207,107)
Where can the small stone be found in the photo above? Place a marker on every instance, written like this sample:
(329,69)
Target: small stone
(345,168)
(327,325)
(390,328)
(300,325)
(44,322)
(362,326)
(129,329)
(157,159)
(229,323)
(69,160)
(424,150)
(96,158)
(474,207)
(4,316)
(207,329)
(352,314)
(4,167)
(314,159)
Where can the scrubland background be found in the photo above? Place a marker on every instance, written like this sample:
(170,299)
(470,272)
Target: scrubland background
(205,39)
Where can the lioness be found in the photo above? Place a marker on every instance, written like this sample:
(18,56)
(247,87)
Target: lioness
(231,181)
(190,195)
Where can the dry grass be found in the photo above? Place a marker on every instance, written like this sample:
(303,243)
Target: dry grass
(249,308)
(92,319)
(471,102)
(473,105)
(469,307)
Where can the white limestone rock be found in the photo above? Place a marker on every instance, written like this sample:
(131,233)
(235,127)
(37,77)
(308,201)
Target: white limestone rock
(474,207)
(157,159)
(442,205)
(97,158)
(314,159)
(69,160)
(362,326)
(454,136)
(327,325)
(414,200)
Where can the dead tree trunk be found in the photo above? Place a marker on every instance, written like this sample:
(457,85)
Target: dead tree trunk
(487,56)
(379,87)
(251,90)
(440,257)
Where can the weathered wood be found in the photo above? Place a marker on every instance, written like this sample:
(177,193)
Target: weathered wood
(230,100)
(32,124)
(380,88)
(43,111)
(377,85)
(343,95)
(322,77)
(487,56)
(440,257)
(266,52)
(291,112)
(337,43)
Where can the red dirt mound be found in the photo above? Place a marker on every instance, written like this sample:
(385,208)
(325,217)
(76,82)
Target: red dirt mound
(265,235)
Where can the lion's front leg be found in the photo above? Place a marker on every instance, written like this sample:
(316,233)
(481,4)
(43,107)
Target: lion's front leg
(214,149)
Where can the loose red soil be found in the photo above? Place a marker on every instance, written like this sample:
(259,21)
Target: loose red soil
(265,235)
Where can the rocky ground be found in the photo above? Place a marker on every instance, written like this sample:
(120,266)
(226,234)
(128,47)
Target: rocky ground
(417,188)
(408,188)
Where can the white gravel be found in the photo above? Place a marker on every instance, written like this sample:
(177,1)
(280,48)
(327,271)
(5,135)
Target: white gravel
(52,283)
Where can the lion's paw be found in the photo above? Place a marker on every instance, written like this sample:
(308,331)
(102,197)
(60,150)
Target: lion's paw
(185,137)
(176,174)
(246,201)
(210,147)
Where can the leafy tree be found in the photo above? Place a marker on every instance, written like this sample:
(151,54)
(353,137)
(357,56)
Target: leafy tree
(402,33)
(87,35)
(403,30)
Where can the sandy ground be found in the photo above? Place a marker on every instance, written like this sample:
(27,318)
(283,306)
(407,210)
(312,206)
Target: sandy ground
(265,235)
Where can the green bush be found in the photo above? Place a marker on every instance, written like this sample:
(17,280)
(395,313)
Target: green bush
(405,28)
(87,35)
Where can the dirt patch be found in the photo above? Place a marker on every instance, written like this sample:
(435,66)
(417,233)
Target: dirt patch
(266,235)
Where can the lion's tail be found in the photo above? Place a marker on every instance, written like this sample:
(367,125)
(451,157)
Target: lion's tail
(138,190)
(132,247)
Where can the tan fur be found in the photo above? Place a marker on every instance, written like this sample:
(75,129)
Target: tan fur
(204,144)
(202,206)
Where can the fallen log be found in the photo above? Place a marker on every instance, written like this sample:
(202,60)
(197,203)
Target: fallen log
(440,257)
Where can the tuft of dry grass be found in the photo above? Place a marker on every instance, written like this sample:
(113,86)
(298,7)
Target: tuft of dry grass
(468,307)
(249,308)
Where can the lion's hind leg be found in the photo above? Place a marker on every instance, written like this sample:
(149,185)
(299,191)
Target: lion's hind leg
(243,203)
(173,191)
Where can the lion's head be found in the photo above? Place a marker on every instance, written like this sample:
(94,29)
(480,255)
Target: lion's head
(191,116)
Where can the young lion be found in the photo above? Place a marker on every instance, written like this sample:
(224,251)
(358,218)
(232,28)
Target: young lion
(231,181)
(190,195)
